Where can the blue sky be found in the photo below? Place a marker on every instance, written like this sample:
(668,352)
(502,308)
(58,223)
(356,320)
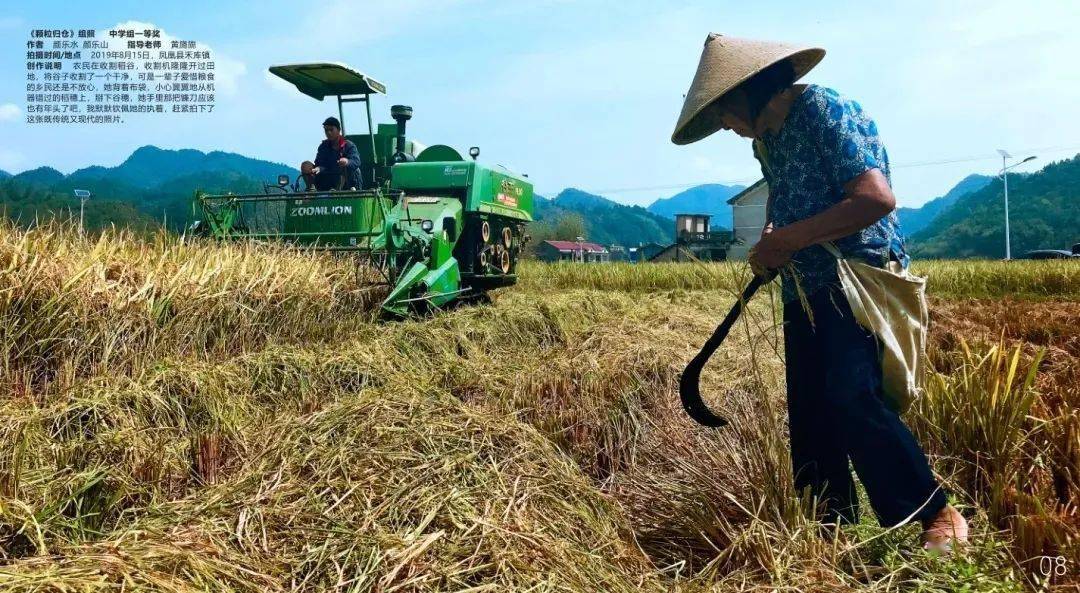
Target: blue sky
(585,94)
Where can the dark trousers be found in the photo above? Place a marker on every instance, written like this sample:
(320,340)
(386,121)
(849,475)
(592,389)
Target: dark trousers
(331,178)
(836,412)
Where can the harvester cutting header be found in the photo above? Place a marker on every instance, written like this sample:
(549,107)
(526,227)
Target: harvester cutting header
(437,226)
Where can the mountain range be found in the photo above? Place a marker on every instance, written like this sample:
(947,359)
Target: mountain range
(913,220)
(151,166)
(1043,214)
(154,185)
(710,198)
(158,183)
(604,221)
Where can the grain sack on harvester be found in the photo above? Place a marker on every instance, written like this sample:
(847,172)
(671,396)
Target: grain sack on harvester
(436,226)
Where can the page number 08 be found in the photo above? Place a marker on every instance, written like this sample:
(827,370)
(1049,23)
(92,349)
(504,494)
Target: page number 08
(1052,566)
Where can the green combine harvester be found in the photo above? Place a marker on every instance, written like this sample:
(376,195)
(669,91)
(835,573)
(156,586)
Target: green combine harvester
(437,227)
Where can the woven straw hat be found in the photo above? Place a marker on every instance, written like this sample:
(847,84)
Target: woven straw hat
(727,62)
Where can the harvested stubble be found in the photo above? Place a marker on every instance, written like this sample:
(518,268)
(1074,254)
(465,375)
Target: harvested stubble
(74,467)
(682,491)
(536,444)
(387,489)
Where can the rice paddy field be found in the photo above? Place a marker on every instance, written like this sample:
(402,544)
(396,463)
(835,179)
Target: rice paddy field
(186,416)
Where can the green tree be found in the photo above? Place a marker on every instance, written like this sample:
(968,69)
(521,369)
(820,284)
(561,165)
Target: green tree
(569,227)
(1042,215)
(566,226)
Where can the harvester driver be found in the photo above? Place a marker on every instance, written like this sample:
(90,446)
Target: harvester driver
(337,162)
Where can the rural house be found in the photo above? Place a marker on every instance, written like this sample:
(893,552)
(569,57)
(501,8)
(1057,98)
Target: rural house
(748,216)
(580,251)
(695,240)
(645,251)
(618,253)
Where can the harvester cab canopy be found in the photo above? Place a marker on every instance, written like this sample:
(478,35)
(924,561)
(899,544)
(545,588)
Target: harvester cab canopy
(328,79)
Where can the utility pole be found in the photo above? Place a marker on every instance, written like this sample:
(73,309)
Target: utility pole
(83,196)
(1005,181)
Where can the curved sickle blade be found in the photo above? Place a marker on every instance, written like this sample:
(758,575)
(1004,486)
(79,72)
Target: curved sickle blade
(689,391)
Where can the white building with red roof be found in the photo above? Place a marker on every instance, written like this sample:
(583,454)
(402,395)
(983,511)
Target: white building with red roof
(579,251)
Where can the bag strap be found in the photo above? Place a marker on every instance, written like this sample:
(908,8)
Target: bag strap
(763,154)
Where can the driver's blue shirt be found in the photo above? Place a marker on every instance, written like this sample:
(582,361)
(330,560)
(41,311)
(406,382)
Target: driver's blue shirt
(825,141)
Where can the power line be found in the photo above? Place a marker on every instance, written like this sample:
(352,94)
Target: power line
(910,165)
(982,157)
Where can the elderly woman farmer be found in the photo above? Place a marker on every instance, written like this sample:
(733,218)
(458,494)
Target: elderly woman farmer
(828,177)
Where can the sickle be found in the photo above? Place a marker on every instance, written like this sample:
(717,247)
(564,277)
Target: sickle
(689,391)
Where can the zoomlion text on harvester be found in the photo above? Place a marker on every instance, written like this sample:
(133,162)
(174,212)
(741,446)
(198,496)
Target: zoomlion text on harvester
(437,227)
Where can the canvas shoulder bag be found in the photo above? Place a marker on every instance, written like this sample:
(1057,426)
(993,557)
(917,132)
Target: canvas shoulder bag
(889,302)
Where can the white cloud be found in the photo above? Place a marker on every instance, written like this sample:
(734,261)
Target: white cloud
(9,112)
(978,76)
(10,160)
(701,163)
(227,71)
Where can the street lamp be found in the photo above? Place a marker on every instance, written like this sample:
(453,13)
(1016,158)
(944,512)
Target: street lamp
(1005,178)
(83,196)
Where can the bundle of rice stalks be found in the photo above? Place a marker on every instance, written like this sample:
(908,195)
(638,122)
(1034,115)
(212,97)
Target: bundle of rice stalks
(994,396)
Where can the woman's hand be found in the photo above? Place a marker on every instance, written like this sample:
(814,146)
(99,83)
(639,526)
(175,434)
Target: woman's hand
(773,250)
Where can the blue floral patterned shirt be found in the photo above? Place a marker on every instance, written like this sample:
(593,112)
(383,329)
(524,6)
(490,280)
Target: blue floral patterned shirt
(825,141)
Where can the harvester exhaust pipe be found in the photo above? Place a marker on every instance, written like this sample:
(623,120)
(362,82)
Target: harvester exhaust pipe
(401,114)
